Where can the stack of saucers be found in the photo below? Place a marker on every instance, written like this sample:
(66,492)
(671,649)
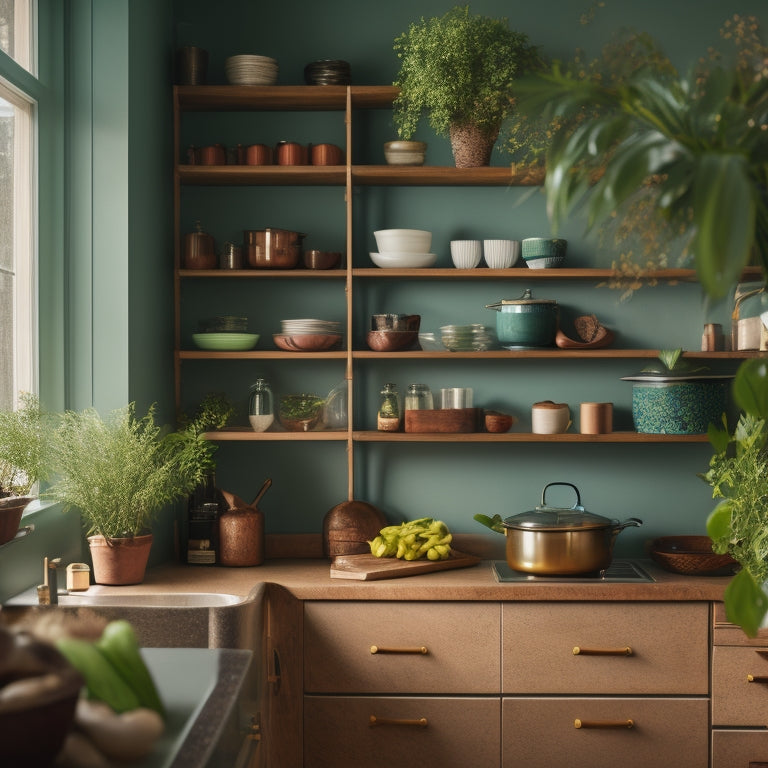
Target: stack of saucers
(468,338)
(328,72)
(293,327)
(250,69)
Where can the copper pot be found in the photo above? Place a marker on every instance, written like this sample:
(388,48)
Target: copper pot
(561,541)
(199,250)
(273,248)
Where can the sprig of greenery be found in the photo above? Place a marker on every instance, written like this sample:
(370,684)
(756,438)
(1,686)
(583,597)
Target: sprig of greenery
(121,470)
(21,446)
(458,68)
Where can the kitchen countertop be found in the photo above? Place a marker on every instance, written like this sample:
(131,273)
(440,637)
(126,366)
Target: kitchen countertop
(309,579)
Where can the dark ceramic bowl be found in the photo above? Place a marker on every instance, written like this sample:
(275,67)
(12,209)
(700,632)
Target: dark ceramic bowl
(391,341)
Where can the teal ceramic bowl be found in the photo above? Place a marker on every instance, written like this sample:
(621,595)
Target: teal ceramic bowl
(678,407)
(544,251)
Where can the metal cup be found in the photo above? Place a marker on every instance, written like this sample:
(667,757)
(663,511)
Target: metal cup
(191,65)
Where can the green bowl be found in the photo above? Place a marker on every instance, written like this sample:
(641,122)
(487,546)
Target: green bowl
(225,342)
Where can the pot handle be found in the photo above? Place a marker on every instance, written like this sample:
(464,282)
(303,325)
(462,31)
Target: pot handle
(629,522)
(577,505)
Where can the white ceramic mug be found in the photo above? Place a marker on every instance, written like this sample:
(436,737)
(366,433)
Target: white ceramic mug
(466,254)
(548,418)
(501,254)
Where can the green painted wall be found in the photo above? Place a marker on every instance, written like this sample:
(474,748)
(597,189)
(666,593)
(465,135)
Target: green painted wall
(655,483)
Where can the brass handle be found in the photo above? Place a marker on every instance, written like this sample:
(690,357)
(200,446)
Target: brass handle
(420,723)
(757,679)
(579,651)
(422,649)
(603,723)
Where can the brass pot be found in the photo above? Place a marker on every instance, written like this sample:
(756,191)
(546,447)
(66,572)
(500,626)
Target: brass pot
(561,541)
(273,248)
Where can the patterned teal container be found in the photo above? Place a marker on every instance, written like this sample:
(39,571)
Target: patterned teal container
(678,407)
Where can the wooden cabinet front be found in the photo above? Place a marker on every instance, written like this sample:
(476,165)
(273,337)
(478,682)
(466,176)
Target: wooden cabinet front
(626,732)
(408,732)
(737,748)
(391,648)
(605,648)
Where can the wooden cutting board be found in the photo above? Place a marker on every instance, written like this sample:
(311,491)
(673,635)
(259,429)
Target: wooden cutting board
(368,567)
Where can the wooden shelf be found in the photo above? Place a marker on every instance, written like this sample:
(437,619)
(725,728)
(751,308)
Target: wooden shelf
(550,353)
(522,437)
(303,274)
(258,354)
(245,434)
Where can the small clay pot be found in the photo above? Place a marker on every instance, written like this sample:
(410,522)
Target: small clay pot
(495,421)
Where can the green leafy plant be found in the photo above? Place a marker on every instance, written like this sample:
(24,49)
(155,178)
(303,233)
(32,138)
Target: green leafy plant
(22,437)
(738,474)
(697,145)
(458,68)
(120,470)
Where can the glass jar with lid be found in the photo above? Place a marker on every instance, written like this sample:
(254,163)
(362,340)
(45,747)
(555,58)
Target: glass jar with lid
(418,398)
(261,409)
(388,416)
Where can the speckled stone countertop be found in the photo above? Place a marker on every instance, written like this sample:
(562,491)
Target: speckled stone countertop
(311,580)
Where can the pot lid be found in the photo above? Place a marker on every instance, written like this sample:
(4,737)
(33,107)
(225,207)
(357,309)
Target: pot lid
(525,299)
(548,518)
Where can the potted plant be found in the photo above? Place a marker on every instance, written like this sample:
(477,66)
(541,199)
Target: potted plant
(698,148)
(21,461)
(460,70)
(119,471)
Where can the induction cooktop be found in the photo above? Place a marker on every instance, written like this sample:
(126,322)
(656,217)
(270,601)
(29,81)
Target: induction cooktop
(618,571)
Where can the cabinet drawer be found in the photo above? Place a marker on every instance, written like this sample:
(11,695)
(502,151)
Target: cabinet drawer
(461,642)
(735,700)
(541,733)
(669,645)
(739,749)
(410,732)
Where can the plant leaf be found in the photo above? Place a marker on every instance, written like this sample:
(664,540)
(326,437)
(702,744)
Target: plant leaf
(719,521)
(746,604)
(750,387)
(724,220)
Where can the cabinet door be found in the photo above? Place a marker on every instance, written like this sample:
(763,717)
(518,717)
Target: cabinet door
(735,699)
(408,732)
(739,749)
(542,733)
(668,648)
(391,647)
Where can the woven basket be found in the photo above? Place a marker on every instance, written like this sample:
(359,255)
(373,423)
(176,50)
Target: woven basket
(690,555)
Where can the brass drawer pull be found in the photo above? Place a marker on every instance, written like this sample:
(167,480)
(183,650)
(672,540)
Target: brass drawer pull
(579,651)
(420,723)
(603,723)
(378,649)
(757,679)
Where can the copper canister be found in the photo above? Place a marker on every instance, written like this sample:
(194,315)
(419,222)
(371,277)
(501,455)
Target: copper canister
(241,537)
(199,250)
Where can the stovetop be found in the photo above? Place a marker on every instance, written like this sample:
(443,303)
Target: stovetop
(619,571)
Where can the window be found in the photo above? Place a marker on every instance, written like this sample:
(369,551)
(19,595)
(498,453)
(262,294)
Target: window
(18,219)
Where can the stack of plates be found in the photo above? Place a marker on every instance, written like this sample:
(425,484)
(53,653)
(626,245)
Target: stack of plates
(251,70)
(328,72)
(468,338)
(294,327)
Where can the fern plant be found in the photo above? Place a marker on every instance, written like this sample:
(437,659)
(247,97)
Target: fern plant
(458,68)
(120,470)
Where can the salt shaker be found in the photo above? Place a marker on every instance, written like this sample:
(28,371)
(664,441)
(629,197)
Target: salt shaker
(261,410)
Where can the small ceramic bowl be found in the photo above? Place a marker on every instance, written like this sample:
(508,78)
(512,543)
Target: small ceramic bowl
(405,152)
(390,341)
(389,322)
(495,421)
(501,254)
(544,252)
(466,254)
(403,240)
(315,259)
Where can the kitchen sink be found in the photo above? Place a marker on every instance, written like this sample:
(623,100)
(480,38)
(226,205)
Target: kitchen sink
(94,598)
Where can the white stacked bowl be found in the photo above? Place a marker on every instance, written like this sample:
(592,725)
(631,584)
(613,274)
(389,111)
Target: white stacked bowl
(501,254)
(403,240)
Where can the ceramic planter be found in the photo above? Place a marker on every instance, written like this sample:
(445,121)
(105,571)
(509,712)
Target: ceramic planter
(119,562)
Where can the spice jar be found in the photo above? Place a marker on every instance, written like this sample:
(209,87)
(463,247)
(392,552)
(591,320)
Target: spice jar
(261,409)
(388,419)
(418,398)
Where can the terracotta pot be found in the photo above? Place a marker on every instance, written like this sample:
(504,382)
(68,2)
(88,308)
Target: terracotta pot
(472,145)
(119,561)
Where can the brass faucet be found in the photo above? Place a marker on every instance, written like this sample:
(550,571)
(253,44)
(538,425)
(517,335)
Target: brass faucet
(48,591)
